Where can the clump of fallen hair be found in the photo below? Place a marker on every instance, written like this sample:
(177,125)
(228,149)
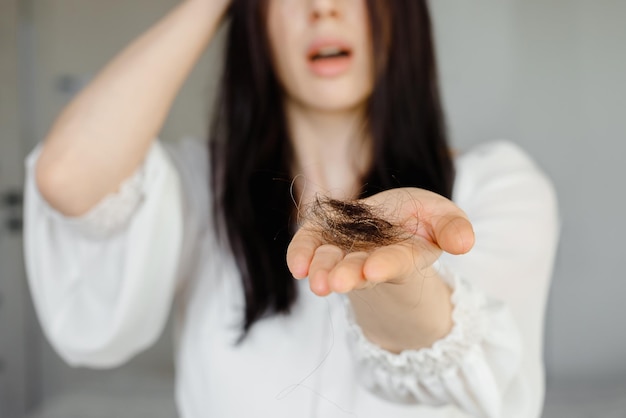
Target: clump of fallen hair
(352,225)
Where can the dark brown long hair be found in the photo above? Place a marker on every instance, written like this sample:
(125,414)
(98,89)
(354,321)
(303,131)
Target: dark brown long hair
(250,151)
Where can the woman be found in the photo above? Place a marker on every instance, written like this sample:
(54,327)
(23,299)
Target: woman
(319,97)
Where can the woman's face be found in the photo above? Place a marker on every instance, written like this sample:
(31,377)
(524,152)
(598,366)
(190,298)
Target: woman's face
(322,51)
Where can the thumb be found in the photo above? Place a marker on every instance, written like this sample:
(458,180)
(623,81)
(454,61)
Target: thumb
(454,234)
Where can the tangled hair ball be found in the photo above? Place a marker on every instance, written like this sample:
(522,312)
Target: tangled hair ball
(352,225)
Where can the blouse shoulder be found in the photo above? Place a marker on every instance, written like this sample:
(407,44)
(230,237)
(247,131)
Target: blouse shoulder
(494,157)
(502,169)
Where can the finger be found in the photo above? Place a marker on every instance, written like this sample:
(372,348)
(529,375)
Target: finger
(396,262)
(453,233)
(300,252)
(348,273)
(324,260)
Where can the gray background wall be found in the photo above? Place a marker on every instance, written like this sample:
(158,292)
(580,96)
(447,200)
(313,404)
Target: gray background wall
(551,75)
(546,74)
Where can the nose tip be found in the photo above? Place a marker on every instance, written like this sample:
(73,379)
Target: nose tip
(318,14)
(324,9)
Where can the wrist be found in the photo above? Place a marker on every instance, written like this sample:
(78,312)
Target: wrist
(411,315)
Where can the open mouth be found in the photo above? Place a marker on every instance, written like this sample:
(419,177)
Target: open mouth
(330,58)
(330,52)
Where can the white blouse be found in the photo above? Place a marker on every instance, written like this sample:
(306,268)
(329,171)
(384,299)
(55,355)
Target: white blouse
(103,285)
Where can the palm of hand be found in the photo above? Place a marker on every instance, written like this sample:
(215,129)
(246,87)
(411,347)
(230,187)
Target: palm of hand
(432,223)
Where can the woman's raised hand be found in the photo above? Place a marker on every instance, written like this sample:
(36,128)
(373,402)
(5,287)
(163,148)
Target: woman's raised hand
(431,223)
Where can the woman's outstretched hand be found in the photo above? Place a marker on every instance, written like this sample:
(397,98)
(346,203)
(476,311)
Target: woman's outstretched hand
(432,224)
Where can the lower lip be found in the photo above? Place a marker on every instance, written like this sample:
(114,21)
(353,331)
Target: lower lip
(330,67)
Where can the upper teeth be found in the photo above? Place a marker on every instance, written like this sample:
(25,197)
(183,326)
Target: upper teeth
(329,50)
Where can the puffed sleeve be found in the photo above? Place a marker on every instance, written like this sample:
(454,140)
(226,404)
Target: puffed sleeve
(103,282)
(490,364)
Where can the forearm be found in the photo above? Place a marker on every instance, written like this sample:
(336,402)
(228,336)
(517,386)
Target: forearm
(104,133)
(411,315)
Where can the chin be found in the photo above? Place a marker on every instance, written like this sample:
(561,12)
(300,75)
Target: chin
(335,105)
(334,100)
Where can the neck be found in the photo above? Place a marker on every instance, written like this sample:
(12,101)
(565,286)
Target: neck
(332,151)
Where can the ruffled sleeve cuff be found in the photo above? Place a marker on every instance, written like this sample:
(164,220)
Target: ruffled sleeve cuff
(470,367)
(113,212)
